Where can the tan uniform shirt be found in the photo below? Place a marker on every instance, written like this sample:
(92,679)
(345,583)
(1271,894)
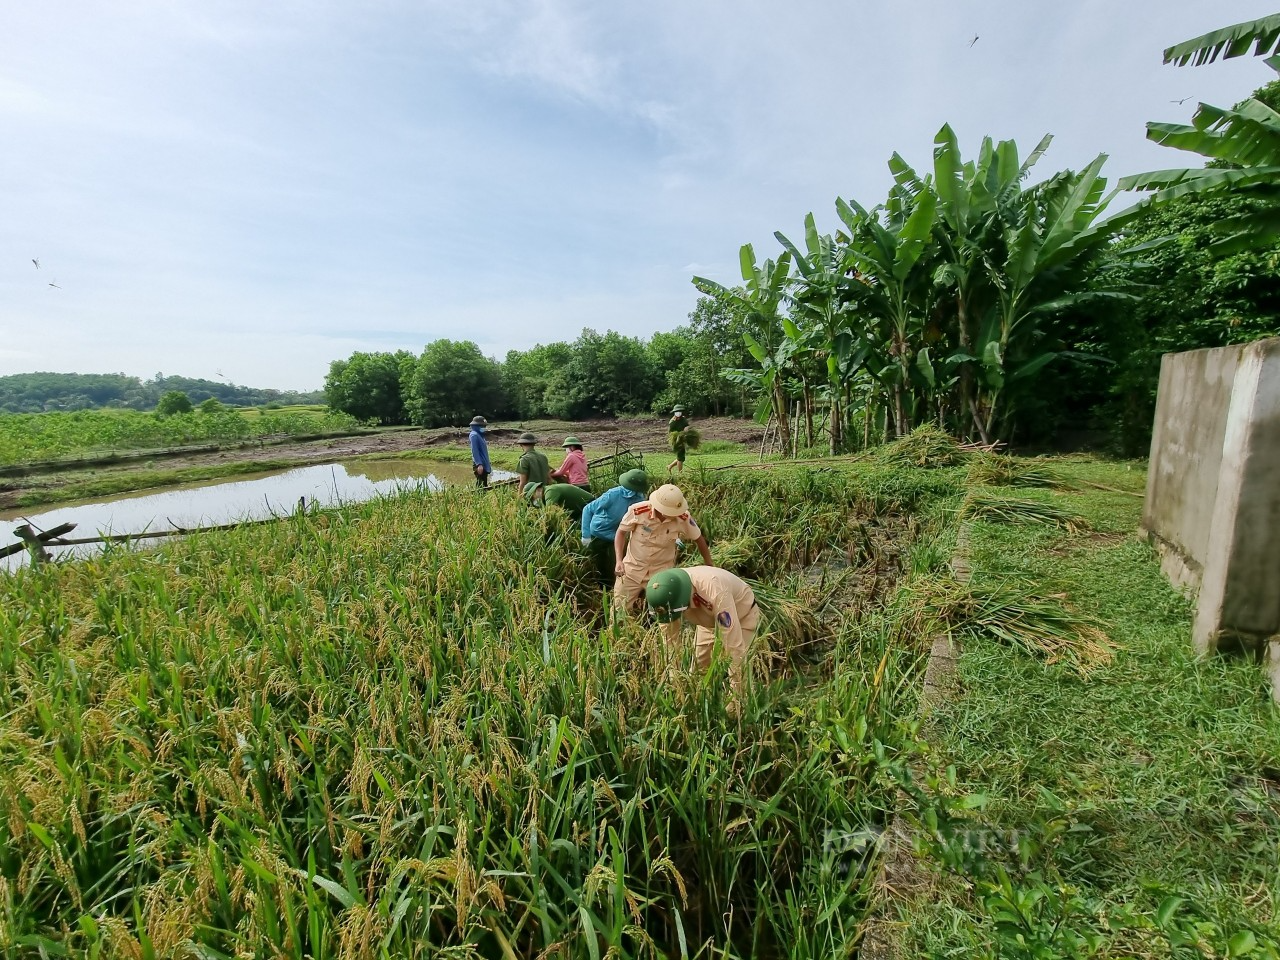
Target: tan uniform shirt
(652,546)
(722,604)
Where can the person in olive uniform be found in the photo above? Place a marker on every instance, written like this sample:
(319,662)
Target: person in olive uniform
(675,427)
(568,497)
(532,468)
(646,543)
(717,603)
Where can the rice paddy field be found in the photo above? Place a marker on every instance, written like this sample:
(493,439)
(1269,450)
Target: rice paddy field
(32,437)
(410,728)
(407,729)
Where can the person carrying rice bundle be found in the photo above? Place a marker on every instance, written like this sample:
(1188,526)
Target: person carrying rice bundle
(676,428)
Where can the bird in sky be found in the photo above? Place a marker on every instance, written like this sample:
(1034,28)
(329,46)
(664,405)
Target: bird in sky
(1180,102)
(974,40)
(36,262)
(55,284)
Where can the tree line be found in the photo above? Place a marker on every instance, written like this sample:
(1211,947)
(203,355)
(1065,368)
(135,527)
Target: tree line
(596,375)
(974,297)
(40,392)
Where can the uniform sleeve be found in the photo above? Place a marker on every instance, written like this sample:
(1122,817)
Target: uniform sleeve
(726,613)
(692,531)
(588,514)
(629,522)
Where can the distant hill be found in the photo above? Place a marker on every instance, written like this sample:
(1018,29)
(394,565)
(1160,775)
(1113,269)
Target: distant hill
(38,392)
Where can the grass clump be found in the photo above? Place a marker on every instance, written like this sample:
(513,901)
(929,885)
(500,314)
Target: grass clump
(1011,613)
(1002,470)
(997,508)
(1134,815)
(926,446)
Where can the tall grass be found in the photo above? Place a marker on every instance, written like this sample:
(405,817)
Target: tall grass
(405,730)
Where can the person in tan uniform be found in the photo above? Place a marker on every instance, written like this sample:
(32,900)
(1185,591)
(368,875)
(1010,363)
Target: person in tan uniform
(646,543)
(717,603)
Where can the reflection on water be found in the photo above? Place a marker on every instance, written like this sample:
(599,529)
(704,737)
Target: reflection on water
(215,502)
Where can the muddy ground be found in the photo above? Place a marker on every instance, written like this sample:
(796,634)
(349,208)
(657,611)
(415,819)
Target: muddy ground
(598,436)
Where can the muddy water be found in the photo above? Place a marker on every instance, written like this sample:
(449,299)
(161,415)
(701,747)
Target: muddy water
(248,497)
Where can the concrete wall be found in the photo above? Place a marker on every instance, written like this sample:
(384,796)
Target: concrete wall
(1213,490)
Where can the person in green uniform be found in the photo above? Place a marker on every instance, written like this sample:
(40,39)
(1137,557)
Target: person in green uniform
(569,497)
(675,427)
(532,468)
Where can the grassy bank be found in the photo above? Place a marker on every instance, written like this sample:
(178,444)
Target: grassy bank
(406,729)
(1135,813)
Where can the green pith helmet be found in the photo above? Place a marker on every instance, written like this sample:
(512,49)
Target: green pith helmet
(668,594)
(677,410)
(526,438)
(531,490)
(636,481)
(571,442)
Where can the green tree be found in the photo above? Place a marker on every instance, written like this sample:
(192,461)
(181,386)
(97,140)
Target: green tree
(606,374)
(760,305)
(451,382)
(1243,140)
(173,402)
(367,386)
(529,377)
(211,405)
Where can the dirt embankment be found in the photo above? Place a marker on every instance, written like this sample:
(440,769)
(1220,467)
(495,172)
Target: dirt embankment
(598,436)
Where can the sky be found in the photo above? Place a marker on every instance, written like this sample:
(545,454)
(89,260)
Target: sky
(248,190)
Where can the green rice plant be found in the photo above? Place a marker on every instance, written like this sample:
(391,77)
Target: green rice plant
(25,438)
(1010,613)
(1002,470)
(995,508)
(390,730)
(689,438)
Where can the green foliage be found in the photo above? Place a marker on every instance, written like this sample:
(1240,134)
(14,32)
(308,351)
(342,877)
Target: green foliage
(31,437)
(1196,297)
(38,392)
(211,405)
(1243,141)
(449,384)
(367,386)
(173,402)
(402,729)
(606,374)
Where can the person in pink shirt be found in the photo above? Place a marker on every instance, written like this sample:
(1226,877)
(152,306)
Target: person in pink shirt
(574,468)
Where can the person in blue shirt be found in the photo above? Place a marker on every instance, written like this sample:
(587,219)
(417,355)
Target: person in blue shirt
(480,451)
(600,518)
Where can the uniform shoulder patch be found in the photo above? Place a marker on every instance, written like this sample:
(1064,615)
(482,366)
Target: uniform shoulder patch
(724,619)
(642,508)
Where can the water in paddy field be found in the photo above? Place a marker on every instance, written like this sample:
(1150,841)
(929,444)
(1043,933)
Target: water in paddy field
(214,502)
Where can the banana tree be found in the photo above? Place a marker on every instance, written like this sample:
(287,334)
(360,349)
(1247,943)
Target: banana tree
(884,252)
(1244,139)
(760,302)
(823,329)
(1050,250)
(975,201)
